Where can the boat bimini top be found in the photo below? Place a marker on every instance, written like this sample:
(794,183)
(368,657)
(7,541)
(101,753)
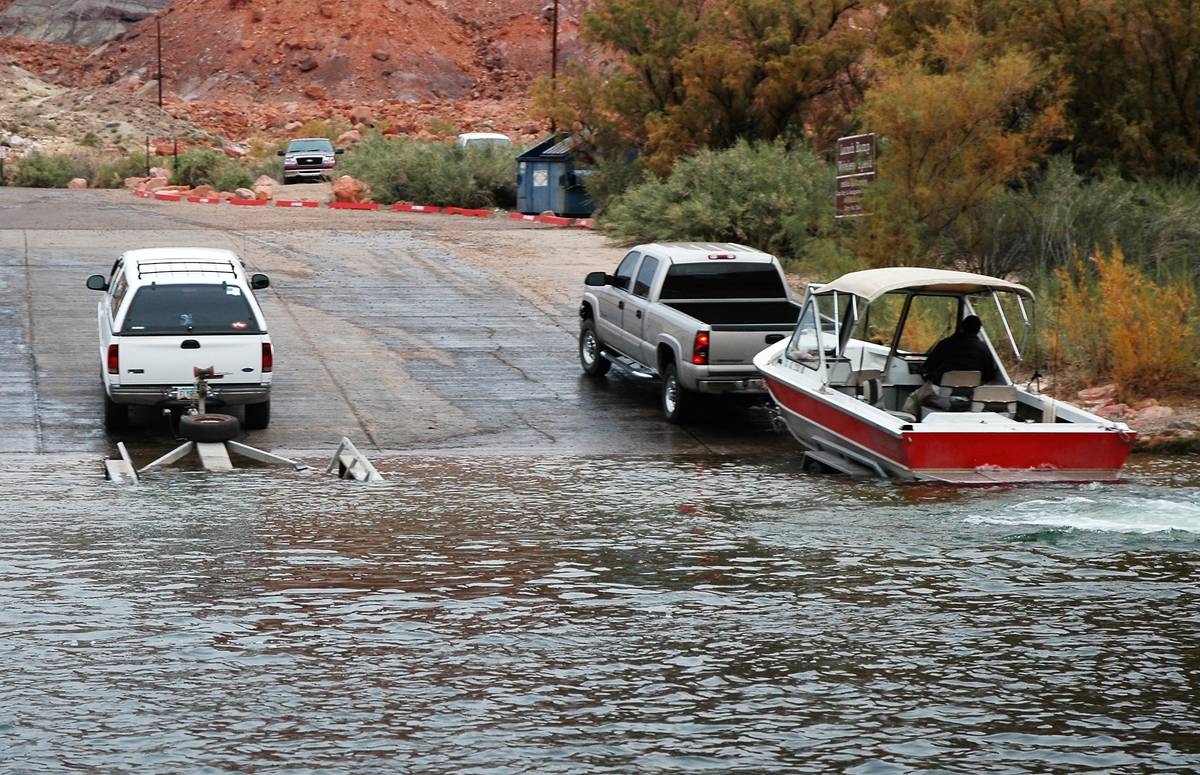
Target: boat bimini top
(870,284)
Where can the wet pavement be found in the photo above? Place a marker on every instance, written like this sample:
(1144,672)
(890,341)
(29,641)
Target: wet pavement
(551,578)
(396,330)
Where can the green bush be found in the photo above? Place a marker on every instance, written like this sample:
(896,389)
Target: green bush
(766,195)
(609,180)
(233,176)
(111,173)
(199,166)
(44,170)
(432,173)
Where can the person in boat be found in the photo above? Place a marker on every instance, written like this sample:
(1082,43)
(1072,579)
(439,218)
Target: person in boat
(961,351)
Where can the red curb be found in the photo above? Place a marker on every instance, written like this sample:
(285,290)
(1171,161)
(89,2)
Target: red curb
(296,203)
(162,196)
(142,193)
(464,211)
(354,205)
(204,200)
(407,208)
(553,220)
(247,202)
(585,223)
(520,217)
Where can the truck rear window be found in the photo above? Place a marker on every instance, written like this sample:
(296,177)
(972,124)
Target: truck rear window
(190,309)
(722,281)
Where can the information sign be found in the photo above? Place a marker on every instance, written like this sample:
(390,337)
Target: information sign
(855,171)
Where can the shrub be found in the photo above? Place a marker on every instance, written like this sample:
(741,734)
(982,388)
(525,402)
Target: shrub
(765,195)
(233,176)
(198,166)
(433,173)
(1116,323)
(44,170)
(609,180)
(111,173)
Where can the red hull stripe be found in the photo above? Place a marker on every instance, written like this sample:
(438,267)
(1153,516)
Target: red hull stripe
(965,449)
(877,440)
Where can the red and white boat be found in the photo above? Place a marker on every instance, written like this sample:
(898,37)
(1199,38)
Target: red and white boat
(843,379)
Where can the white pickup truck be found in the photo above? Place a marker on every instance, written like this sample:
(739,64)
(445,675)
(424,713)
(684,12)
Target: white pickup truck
(693,314)
(167,311)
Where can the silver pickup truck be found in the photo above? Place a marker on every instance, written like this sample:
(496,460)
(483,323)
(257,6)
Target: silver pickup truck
(693,314)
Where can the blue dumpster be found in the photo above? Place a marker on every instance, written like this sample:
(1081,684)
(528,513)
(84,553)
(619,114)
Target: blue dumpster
(547,179)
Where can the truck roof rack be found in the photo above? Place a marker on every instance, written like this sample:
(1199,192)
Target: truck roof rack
(180,265)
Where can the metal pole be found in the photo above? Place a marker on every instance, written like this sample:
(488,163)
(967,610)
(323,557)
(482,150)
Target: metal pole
(158,29)
(147,155)
(554,45)
(554,57)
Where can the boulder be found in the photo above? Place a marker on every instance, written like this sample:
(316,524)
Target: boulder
(1113,411)
(348,189)
(155,183)
(306,64)
(263,192)
(233,151)
(353,136)
(361,114)
(1153,413)
(314,92)
(381,55)
(159,172)
(292,126)
(134,182)
(204,190)
(77,183)
(244,193)
(265,180)
(1098,393)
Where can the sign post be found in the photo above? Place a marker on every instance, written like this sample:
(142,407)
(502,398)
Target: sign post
(3,154)
(855,171)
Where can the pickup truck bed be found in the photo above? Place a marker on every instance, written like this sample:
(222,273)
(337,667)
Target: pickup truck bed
(741,315)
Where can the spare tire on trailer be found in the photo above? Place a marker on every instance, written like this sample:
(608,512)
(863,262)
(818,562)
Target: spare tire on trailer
(208,427)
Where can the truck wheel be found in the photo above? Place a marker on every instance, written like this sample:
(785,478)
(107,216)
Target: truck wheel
(594,364)
(208,427)
(258,416)
(676,400)
(116,416)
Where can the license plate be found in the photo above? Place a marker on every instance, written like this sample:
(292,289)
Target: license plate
(188,391)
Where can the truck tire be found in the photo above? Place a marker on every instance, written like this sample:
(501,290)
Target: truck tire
(116,416)
(594,364)
(676,399)
(258,416)
(208,427)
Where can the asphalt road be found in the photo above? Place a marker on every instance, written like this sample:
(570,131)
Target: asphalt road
(408,333)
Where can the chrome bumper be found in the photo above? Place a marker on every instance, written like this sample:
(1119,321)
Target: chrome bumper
(746,386)
(163,395)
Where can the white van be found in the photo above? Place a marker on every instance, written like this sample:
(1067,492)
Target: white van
(167,311)
(483,140)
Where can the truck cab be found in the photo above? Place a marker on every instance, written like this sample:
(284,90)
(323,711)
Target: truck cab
(167,311)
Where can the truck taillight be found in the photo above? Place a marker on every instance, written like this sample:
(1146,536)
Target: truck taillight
(268,358)
(700,348)
(721,256)
(114,359)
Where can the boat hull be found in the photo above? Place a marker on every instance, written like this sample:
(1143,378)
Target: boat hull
(1014,453)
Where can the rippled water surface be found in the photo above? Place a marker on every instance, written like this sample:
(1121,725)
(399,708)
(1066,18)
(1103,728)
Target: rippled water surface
(574,614)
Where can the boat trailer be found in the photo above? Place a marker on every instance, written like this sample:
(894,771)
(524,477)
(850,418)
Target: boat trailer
(214,451)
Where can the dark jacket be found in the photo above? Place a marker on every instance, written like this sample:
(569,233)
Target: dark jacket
(959,352)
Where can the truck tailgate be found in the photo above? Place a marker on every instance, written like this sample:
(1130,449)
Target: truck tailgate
(738,344)
(165,360)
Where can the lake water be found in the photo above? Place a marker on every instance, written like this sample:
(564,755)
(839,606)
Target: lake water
(588,615)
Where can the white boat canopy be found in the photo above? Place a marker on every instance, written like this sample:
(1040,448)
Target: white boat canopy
(870,284)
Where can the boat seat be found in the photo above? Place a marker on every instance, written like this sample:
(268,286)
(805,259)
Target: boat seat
(994,398)
(953,393)
(866,385)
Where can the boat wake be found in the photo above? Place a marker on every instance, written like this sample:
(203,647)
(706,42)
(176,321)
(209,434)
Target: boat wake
(1101,514)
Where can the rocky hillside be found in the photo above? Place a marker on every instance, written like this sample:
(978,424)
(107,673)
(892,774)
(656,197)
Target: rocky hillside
(78,22)
(244,68)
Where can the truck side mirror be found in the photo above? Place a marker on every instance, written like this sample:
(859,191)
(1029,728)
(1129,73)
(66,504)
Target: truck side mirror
(280,153)
(97,283)
(596,279)
(340,151)
(259,281)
